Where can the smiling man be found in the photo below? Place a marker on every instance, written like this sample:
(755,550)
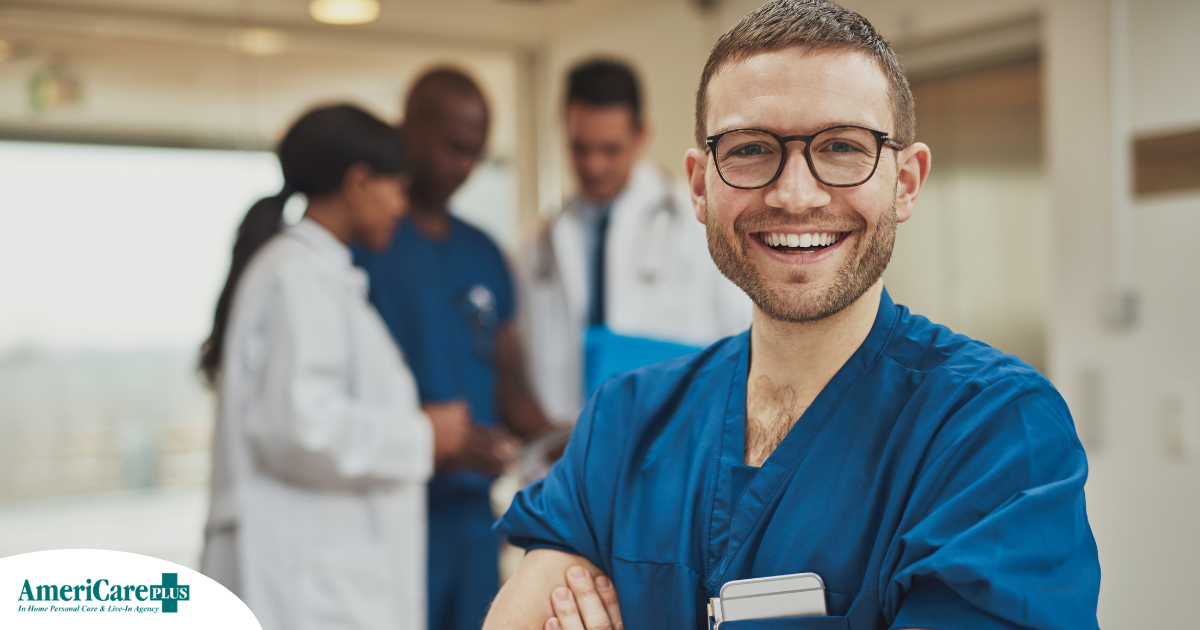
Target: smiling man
(930,480)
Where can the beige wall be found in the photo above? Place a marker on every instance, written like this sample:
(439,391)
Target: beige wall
(1144,490)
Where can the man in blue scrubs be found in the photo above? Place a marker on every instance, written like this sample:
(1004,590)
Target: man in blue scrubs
(930,480)
(445,292)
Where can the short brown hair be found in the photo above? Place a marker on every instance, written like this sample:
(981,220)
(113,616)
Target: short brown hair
(816,24)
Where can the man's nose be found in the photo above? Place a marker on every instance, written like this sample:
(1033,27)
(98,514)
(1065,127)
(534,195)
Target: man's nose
(596,159)
(797,189)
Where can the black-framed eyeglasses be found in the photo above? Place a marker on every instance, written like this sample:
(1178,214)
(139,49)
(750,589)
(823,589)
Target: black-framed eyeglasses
(840,157)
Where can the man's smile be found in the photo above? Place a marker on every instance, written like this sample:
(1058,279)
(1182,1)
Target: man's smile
(804,246)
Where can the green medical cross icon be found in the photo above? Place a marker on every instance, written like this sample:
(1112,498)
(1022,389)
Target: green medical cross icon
(169,594)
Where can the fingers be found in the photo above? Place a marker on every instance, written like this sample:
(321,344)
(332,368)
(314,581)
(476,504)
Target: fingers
(508,448)
(490,451)
(480,452)
(566,614)
(587,600)
(608,595)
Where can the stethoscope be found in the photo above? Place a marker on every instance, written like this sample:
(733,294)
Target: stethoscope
(651,251)
(478,308)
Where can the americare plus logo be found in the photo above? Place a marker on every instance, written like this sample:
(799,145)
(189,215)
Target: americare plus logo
(64,589)
(100,595)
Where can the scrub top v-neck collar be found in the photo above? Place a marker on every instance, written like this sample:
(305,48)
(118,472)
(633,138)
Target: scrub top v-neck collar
(734,519)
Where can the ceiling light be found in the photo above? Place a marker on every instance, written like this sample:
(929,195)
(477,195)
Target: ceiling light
(259,41)
(344,11)
(51,88)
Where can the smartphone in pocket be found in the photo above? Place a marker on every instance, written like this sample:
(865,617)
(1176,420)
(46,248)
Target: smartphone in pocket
(774,597)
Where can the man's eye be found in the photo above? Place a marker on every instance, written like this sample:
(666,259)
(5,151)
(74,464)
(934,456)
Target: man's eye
(750,149)
(839,146)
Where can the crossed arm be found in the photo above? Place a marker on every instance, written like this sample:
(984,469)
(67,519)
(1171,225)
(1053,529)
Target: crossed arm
(552,590)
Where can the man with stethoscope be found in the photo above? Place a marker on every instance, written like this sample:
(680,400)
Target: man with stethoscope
(622,278)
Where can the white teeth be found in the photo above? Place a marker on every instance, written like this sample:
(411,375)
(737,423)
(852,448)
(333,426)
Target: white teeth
(811,239)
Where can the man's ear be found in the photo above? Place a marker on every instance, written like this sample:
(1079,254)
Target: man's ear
(641,135)
(696,164)
(912,169)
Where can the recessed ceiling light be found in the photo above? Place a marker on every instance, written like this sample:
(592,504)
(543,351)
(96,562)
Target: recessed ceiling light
(344,11)
(259,41)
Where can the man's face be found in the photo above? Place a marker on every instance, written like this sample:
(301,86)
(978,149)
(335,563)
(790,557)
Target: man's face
(446,149)
(605,142)
(789,92)
(382,203)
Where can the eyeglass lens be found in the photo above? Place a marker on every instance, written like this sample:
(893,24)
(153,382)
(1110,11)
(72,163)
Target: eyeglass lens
(842,156)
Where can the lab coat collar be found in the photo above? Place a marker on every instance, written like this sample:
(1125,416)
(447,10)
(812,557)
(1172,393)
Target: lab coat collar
(316,236)
(330,248)
(644,186)
(643,180)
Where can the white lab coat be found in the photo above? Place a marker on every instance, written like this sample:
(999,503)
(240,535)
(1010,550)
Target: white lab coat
(321,452)
(660,283)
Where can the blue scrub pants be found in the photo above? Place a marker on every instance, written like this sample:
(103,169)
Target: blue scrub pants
(464,572)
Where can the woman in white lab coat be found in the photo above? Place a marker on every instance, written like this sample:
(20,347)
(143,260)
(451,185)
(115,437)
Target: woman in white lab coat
(321,450)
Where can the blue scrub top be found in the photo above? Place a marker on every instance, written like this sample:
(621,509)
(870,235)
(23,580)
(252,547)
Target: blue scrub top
(933,483)
(442,301)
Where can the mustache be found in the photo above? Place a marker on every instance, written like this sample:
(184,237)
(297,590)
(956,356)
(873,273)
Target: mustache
(770,219)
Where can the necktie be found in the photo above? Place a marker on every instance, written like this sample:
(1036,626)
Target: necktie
(596,308)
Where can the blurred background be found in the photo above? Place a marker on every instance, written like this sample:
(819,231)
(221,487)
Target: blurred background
(1057,225)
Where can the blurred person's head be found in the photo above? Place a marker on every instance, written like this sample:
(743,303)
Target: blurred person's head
(445,127)
(605,129)
(799,67)
(351,167)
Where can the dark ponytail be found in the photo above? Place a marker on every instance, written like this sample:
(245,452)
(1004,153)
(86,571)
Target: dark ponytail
(314,156)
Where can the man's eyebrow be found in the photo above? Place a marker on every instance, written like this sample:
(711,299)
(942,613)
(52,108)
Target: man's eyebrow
(815,128)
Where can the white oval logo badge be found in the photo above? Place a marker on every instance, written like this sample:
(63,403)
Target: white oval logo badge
(94,588)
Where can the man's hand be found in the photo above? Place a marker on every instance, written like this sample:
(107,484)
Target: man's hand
(460,444)
(589,604)
(486,450)
(451,428)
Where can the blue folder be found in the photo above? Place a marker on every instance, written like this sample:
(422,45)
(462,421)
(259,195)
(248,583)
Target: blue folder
(607,353)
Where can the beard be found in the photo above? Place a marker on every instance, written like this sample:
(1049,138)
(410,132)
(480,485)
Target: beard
(796,300)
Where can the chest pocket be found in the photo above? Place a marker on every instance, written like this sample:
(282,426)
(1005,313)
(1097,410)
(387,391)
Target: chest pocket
(661,593)
(657,595)
(790,623)
(862,613)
